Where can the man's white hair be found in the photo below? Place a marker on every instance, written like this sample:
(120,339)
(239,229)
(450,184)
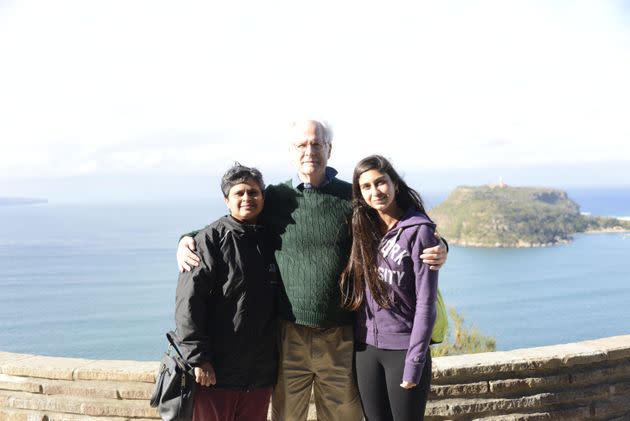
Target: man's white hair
(324,128)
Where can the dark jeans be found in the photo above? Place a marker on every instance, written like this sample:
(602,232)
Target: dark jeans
(379,375)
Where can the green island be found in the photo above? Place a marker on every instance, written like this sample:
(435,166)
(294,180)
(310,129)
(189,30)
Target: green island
(505,216)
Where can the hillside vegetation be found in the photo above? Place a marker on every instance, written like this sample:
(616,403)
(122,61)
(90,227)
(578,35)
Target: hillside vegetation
(488,216)
(463,339)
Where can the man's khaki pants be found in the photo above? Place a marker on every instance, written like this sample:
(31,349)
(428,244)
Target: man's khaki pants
(321,358)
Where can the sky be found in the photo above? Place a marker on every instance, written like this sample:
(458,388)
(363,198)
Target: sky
(119,100)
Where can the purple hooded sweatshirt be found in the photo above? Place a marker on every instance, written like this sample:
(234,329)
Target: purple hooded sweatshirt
(408,322)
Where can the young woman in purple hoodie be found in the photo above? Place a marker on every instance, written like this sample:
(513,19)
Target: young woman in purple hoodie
(393,292)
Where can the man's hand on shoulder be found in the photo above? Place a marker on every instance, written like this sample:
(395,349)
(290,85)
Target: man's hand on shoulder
(186,257)
(435,256)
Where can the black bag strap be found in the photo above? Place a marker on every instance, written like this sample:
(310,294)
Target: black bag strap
(171,335)
(172,339)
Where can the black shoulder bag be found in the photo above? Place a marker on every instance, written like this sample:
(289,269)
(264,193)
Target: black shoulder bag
(174,388)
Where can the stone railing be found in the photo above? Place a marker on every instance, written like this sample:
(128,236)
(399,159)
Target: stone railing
(587,380)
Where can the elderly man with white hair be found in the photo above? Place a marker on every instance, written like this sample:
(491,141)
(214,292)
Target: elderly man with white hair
(309,216)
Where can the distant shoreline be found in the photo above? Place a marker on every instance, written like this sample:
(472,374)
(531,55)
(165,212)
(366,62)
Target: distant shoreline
(19,201)
(524,245)
(608,230)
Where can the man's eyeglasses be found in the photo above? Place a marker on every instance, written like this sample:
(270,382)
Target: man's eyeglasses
(315,146)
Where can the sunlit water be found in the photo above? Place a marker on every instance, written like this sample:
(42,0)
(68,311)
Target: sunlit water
(99,281)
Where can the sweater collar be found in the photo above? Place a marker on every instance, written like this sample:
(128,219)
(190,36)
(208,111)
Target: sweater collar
(328,176)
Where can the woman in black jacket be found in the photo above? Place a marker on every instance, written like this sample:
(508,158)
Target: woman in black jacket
(226,308)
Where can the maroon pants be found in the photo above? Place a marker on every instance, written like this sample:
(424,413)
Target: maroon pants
(212,404)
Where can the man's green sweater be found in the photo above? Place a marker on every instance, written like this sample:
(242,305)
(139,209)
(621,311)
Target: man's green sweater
(312,240)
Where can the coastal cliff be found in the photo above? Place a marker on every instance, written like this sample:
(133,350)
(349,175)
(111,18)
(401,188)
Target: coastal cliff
(502,216)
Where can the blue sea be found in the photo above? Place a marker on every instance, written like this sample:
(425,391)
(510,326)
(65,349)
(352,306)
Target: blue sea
(98,281)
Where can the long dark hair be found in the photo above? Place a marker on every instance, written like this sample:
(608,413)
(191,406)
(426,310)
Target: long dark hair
(362,267)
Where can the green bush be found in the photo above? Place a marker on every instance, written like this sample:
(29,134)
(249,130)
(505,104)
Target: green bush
(462,339)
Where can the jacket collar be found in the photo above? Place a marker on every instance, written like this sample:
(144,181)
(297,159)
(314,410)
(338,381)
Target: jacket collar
(240,227)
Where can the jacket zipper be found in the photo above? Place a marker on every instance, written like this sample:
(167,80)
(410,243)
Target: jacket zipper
(374,324)
(251,372)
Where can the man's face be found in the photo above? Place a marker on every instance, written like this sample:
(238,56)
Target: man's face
(309,152)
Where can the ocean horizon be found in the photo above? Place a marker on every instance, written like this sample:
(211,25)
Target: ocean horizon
(98,281)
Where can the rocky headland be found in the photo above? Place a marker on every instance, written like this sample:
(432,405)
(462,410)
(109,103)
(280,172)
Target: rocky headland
(504,216)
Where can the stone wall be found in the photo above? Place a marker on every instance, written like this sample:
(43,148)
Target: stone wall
(587,380)
(581,381)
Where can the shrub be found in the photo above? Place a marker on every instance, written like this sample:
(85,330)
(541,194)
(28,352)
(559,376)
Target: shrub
(462,339)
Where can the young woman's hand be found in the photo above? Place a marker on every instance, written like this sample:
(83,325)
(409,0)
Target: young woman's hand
(186,257)
(204,375)
(407,385)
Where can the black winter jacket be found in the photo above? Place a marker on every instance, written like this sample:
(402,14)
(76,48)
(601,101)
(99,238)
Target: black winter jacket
(226,307)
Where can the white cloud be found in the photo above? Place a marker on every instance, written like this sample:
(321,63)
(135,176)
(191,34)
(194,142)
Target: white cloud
(118,87)
(85,168)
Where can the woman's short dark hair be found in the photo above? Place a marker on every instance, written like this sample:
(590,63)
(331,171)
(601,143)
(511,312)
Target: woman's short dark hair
(238,174)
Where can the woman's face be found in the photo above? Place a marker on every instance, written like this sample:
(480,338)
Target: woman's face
(245,201)
(378,190)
